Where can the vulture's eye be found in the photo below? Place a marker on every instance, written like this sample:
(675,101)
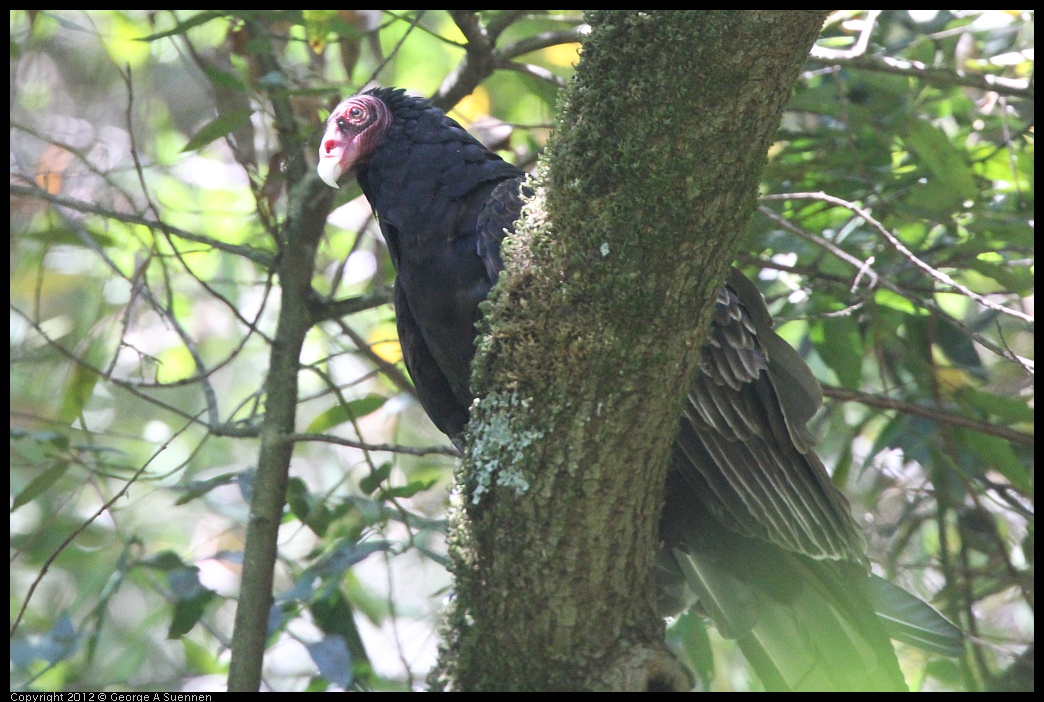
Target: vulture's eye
(356,112)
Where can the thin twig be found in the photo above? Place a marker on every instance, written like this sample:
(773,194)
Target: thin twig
(901,248)
(923,302)
(86,523)
(256,255)
(391,448)
(1013,87)
(870,400)
(544,40)
(859,48)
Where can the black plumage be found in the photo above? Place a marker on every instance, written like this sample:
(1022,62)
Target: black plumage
(752,526)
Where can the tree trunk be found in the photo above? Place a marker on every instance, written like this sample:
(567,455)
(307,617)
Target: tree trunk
(593,336)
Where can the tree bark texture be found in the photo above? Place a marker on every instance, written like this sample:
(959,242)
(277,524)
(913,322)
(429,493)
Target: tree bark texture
(592,338)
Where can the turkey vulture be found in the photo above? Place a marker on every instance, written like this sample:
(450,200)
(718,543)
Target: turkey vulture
(753,528)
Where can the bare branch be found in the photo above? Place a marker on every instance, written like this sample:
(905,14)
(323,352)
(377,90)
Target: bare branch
(859,48)
(392,448)
(219,429)
(478,62)
(923,302)
(1012,87)
(256,255)
(390,370)
(323,311)
(87,522)
(414,23)
(532,70)
(901,248)
(888,403)
(308,207)
(502,21)
(543,41)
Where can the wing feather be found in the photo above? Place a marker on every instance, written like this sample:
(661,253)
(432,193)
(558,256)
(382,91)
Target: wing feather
(743,446)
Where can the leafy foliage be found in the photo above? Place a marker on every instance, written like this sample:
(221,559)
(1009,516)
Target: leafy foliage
(148,189)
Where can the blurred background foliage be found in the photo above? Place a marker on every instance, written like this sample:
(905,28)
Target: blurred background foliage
(894,244)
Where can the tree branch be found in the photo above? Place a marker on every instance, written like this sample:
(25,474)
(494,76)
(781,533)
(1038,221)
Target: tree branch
(861,266)
(902,249)
(870,400)
(258,256)
(475,67)
(309,205)
(1012,87)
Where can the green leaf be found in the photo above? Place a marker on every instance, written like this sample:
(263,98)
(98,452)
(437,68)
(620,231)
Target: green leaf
(1009,410)
(310,509)
(39,484)
(346,412)
(198,488)
(371,482)
(78,391)
(297,497)
(215,129)
(957,346)
(334,660)
(225,79)
(200,660)
(939,155)
(839,344)
(887,298)
(998,455)
(913,621)
(66,235)
(182,27)
(183,580)
(333,613)
(934,199)
(344,556)
(409,489)
(689,640)
(164,560)
(187,612)
(1014,280)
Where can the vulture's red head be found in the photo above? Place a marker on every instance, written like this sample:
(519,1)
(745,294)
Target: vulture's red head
(353,131)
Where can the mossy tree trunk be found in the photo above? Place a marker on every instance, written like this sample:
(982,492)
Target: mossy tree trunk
(592,338)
